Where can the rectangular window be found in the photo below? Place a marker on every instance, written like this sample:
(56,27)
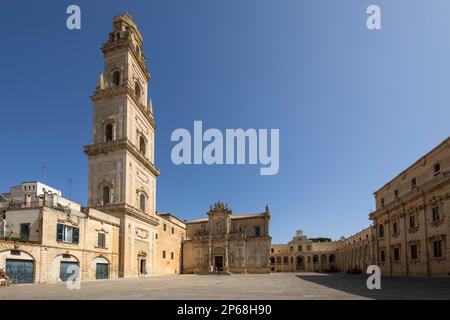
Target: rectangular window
(24,231)
(258,231)
(437,168)
(101,240)
(381,231)
(156,236)
(382,201)
(437,249)
(395,228)
(67,234)
(173,230)
(171,255)
(396,193)
(164,227)
(413,183)
(382,256)
(412,222)
(414,252)
(435,213)
(397,254)
(164,254)
(15,252)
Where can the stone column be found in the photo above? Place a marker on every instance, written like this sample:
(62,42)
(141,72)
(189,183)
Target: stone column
(226,257)
(275,264)
(245,255)
(210,257)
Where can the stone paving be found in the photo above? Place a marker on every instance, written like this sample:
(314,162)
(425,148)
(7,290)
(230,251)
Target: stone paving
(229,287)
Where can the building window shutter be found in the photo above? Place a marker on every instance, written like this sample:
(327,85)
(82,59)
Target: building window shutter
(76,235)
(59,232)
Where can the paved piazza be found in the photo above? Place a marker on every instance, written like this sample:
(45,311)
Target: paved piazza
(268,286)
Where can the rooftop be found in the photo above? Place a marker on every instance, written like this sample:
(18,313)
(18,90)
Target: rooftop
(445,142)
(241,216)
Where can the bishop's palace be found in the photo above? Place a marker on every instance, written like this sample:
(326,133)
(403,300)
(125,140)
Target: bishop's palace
(119,234)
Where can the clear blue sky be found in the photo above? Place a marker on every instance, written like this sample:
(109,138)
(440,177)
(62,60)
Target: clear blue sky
(354,107)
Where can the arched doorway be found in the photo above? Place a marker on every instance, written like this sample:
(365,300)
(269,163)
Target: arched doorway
(101,267)
(300,263)
(18,265)
(66,267)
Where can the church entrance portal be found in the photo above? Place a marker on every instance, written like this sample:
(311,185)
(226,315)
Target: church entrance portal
(300,263)
(218,263)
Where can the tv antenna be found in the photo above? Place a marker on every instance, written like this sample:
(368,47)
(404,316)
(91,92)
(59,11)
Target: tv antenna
(44,173)
(70,187)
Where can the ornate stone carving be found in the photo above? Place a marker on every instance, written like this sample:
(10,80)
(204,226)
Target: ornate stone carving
(73,220)
(141,233)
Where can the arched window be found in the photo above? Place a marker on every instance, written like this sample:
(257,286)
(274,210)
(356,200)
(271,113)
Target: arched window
(116,78)
(106,195)
(142,145)
(142,202)
(118,36)
(137,89)
(109,132)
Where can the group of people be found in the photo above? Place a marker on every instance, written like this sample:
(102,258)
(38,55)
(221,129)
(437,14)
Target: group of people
(4,279)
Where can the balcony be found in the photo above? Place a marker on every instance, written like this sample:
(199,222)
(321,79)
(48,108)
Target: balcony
(17,237)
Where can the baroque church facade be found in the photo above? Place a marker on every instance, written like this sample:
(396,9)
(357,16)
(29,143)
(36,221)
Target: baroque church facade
(227,242)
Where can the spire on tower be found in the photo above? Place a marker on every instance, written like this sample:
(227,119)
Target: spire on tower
(150,106)
(101,81)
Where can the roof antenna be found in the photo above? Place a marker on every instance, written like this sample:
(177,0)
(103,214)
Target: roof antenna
(70,187)
(44,173)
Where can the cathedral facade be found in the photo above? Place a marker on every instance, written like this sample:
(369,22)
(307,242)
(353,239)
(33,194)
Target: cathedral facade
(226,242)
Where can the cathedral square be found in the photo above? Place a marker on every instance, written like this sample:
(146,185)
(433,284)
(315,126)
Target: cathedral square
(120,247)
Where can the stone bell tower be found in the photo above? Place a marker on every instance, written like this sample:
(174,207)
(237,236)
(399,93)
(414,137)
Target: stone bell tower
(122,173)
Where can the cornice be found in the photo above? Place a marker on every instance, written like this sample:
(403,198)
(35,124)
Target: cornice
(100,95)
(128,210)
(118,145)
(125,43)
(424,189)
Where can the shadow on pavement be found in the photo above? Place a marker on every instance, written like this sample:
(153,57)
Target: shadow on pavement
(398,288)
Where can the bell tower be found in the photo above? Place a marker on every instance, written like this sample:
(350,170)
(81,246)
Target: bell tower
(122,173)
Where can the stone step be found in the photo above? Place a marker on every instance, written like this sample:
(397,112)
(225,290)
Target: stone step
(222,273)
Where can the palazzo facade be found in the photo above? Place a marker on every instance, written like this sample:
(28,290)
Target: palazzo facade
(412,218)
(409,234)
(303,254)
